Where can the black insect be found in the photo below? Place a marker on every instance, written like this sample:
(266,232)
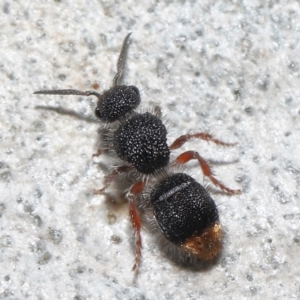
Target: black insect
(184,211)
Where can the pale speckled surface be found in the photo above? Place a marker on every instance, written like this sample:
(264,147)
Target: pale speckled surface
(230,68)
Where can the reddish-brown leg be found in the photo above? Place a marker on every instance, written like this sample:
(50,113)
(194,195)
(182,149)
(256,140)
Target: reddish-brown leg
(111,176)
(99,152)
(200,135)
(134,191)
(189,155)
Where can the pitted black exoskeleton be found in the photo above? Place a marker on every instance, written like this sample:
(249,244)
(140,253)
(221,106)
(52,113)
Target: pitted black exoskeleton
(139,140)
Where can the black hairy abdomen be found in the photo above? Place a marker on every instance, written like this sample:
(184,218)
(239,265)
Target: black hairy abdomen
(182,207)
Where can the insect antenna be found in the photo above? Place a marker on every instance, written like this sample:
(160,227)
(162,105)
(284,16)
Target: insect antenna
(69,92)
(121,60)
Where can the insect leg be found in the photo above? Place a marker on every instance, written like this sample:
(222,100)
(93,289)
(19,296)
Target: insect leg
(189,155)
(199,135)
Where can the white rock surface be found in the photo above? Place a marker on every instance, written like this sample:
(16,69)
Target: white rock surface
(227,67)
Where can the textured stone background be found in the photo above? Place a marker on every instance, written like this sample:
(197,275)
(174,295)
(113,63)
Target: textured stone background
(227,67)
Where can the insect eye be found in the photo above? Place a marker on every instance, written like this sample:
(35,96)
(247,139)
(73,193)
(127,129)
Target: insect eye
(135,89)
(132,96)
